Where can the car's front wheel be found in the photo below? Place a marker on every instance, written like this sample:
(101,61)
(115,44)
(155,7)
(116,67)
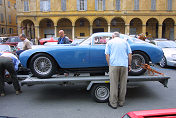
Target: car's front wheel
(138,58)
(42,65)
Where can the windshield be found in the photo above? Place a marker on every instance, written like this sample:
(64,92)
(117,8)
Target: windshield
(166,44)
(4,48)
(86,41)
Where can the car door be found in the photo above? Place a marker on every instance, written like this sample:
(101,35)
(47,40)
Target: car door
(97,51)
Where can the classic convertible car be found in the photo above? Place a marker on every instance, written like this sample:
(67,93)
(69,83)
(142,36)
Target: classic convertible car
(88,56)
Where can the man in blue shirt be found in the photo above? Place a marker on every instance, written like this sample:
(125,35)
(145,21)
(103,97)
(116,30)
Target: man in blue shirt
(10,63)
(118,55)
(63,39)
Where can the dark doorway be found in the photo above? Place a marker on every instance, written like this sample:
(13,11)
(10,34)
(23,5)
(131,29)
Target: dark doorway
(98,30)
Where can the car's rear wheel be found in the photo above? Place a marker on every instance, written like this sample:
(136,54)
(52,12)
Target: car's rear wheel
(42,65)
(163,62)
(138,58)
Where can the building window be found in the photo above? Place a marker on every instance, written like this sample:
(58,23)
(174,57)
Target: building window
(26,5)
(153,4)
(10,20)
(169,5)
(10,30)
(2,30)
(15,6)
(45,5)
(16,20)
(8,3)
(2,18)
(0,2)
(99,5)
(82,5)
(136,4)
(118,5)
(63,5)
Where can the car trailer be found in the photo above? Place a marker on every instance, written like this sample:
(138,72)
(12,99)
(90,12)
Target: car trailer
(98,85)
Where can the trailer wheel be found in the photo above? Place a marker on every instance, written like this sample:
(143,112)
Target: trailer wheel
(100,92)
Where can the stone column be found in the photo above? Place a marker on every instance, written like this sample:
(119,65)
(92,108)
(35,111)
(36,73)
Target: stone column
(143,29)
(159,31)
(37,34)
(175,32)
(19,30)
(109,27)
(127,29)
(91,30)
(55,31)
(73,32)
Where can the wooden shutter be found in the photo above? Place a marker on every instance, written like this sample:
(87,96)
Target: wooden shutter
(49,6)
(136,4)
(63,4)
(41,5)
(153,4)
(104,5)
(96,5)
(85,5)
(117,4)
(78,5)
(169,4)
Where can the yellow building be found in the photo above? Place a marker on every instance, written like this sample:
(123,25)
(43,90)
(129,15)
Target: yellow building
(81,18)
(8,18)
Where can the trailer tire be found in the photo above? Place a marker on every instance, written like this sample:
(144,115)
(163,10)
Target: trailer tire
(100,92)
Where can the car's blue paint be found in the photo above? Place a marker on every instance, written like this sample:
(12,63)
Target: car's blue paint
(83,56)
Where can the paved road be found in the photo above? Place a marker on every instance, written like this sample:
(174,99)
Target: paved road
(53,101)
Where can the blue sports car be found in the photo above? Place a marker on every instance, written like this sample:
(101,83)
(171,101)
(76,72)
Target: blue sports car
(88,56)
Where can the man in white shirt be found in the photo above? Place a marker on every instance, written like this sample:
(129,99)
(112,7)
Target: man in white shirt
(118,55)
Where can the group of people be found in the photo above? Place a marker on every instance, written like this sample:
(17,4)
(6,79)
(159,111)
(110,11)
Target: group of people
(9,62)
(118,55)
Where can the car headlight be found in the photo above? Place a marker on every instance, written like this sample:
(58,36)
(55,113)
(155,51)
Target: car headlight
(173,56)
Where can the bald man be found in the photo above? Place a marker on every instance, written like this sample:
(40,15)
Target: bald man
(63,39)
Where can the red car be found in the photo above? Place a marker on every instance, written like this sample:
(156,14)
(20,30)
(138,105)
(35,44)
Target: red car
(13,40)
(45,40)
(158,113)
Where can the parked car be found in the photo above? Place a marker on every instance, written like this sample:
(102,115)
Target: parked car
(158,113)
(3,39)
(45,40)
(7,48)
(13,40)
(169,49)
(88,56)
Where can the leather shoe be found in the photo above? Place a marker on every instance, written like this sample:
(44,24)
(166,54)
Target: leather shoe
(111,106)
(2,94)
(18,92)
(120,104)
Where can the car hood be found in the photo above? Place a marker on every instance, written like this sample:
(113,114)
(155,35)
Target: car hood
(169,50)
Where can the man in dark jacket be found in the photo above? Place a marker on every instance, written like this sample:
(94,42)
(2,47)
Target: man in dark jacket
(10,63)
(63,39)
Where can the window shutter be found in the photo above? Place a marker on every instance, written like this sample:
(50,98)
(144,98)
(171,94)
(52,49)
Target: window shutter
(85,5)
(118,5)
(104,5)
(10,19)
(136,4)
(153,4)
(49,6)
(26,5)
(2,18)
(78,5)
(63,4)
(41,5)
(96,5)
(169,5)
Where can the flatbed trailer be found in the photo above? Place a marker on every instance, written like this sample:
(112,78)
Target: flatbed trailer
(98,85)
